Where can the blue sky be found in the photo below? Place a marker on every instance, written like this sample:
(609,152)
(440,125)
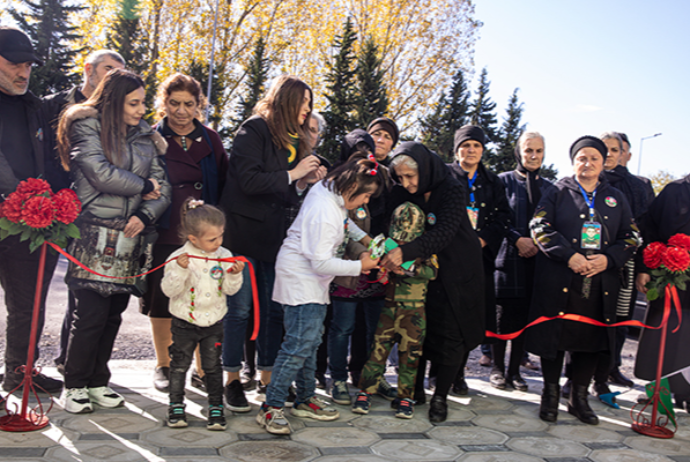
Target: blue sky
(585,67)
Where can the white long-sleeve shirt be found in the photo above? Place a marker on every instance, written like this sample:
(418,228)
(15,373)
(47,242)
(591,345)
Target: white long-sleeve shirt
(307,261)
(198,293)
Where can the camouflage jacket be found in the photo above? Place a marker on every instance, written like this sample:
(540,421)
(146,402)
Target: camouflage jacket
(412,288)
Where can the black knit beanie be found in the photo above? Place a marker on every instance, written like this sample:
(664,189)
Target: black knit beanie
(384,123)
(468,132)
(588,142)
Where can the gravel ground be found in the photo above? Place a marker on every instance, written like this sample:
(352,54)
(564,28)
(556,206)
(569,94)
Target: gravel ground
(134,339)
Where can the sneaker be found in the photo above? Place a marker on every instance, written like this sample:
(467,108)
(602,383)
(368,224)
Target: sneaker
(386,390)
(216,417)
(42,382)
(176,415)
(261,392)
(362,403)
(248,381)
(198,381)
(106,397)
(340,393)
(405,409)
(273,420)
(315,409)
(234,396)
(76,401)
(161,379)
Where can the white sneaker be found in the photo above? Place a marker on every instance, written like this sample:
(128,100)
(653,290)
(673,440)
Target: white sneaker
(76,400)
(106,397)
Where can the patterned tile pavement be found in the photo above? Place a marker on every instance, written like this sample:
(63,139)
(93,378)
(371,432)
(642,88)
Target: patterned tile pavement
(488,425)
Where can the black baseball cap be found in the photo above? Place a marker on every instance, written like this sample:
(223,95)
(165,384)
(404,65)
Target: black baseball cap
(15,46)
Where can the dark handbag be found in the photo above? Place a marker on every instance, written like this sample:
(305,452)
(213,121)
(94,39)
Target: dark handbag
(104,248)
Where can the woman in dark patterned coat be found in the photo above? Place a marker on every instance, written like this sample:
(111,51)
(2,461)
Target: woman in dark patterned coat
(515,263)
(585,231)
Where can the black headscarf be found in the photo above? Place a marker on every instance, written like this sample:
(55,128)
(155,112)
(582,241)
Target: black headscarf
(350,142)
(532,180)
(431,169)
(588,142)
(468,132)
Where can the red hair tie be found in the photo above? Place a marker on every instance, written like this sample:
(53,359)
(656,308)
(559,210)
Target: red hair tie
(374,171)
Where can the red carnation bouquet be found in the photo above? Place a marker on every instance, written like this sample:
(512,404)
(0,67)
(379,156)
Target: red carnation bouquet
(669,264)
(40,215)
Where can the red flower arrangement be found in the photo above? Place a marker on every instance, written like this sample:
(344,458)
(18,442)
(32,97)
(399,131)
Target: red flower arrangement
(33,211)
(669,264)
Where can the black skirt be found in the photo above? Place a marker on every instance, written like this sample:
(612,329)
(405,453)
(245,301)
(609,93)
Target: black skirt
(579,336)
(444,343)
(154,303)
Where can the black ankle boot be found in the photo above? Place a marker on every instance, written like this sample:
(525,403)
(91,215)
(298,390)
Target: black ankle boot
(579,407)
(438,409)
(548,411)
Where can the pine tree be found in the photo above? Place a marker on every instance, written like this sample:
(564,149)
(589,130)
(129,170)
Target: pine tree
(47,26)
(341,96)
(482,111)
(451,113)
(550,172)
(372,97)
(257,74)
(126,37)
(510,131)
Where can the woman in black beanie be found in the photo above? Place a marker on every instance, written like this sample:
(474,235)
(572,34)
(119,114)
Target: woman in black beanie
(585,233)
(489,213)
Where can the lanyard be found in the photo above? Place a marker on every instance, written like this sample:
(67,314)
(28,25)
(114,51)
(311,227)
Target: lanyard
(471,181)
(589,203)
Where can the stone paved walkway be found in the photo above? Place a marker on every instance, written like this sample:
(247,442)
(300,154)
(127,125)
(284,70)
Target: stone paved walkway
(488,425)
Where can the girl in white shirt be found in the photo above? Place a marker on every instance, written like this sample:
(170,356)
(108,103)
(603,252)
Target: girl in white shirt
(307,262)
(197,289)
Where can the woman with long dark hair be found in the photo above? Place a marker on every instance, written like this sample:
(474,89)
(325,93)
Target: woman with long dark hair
(270,167)
(114,159)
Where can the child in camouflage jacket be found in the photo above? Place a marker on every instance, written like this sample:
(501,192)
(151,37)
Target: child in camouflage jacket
(402,319)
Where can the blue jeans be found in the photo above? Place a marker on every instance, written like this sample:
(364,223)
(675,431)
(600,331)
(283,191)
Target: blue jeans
(241,307)
(296,359)
(342,326)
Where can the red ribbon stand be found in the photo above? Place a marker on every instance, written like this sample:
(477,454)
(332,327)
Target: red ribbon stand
(26,419)
(656,425)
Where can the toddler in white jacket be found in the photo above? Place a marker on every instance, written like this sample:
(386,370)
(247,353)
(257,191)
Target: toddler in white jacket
(197,288)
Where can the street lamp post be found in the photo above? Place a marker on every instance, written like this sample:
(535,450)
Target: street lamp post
(639,160)
(211,65)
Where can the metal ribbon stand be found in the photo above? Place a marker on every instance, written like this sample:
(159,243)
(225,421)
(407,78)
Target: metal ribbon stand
(35,418)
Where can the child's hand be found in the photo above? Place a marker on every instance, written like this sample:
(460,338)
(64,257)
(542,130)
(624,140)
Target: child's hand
(367,263)
(236,268)
(183,260)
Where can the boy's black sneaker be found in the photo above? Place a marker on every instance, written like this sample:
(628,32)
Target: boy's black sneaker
(176,415)
(234,396)
(405,409)
(216,418)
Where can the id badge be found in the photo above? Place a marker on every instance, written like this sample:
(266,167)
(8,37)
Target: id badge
(591,236)
(473,213)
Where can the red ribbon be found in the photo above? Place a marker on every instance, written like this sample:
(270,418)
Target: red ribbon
(671,294)
(252,275)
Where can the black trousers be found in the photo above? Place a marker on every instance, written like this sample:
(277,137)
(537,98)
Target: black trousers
(18,272)
(186,337)
(95,323)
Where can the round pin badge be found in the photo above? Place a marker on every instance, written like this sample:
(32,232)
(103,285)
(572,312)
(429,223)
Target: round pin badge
(361,214)
(611,201)
(216,272)
(431,219)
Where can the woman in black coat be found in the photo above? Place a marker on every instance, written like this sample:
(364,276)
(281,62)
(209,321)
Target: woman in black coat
(270,166)
(585,231)
(515,263)
(455,300)
(669,214)
(487,206)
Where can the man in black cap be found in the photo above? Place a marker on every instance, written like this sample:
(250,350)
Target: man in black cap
(23,155)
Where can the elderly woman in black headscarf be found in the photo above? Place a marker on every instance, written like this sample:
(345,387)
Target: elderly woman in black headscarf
(585,232)
(487,207)
(515,263)
(455,300)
